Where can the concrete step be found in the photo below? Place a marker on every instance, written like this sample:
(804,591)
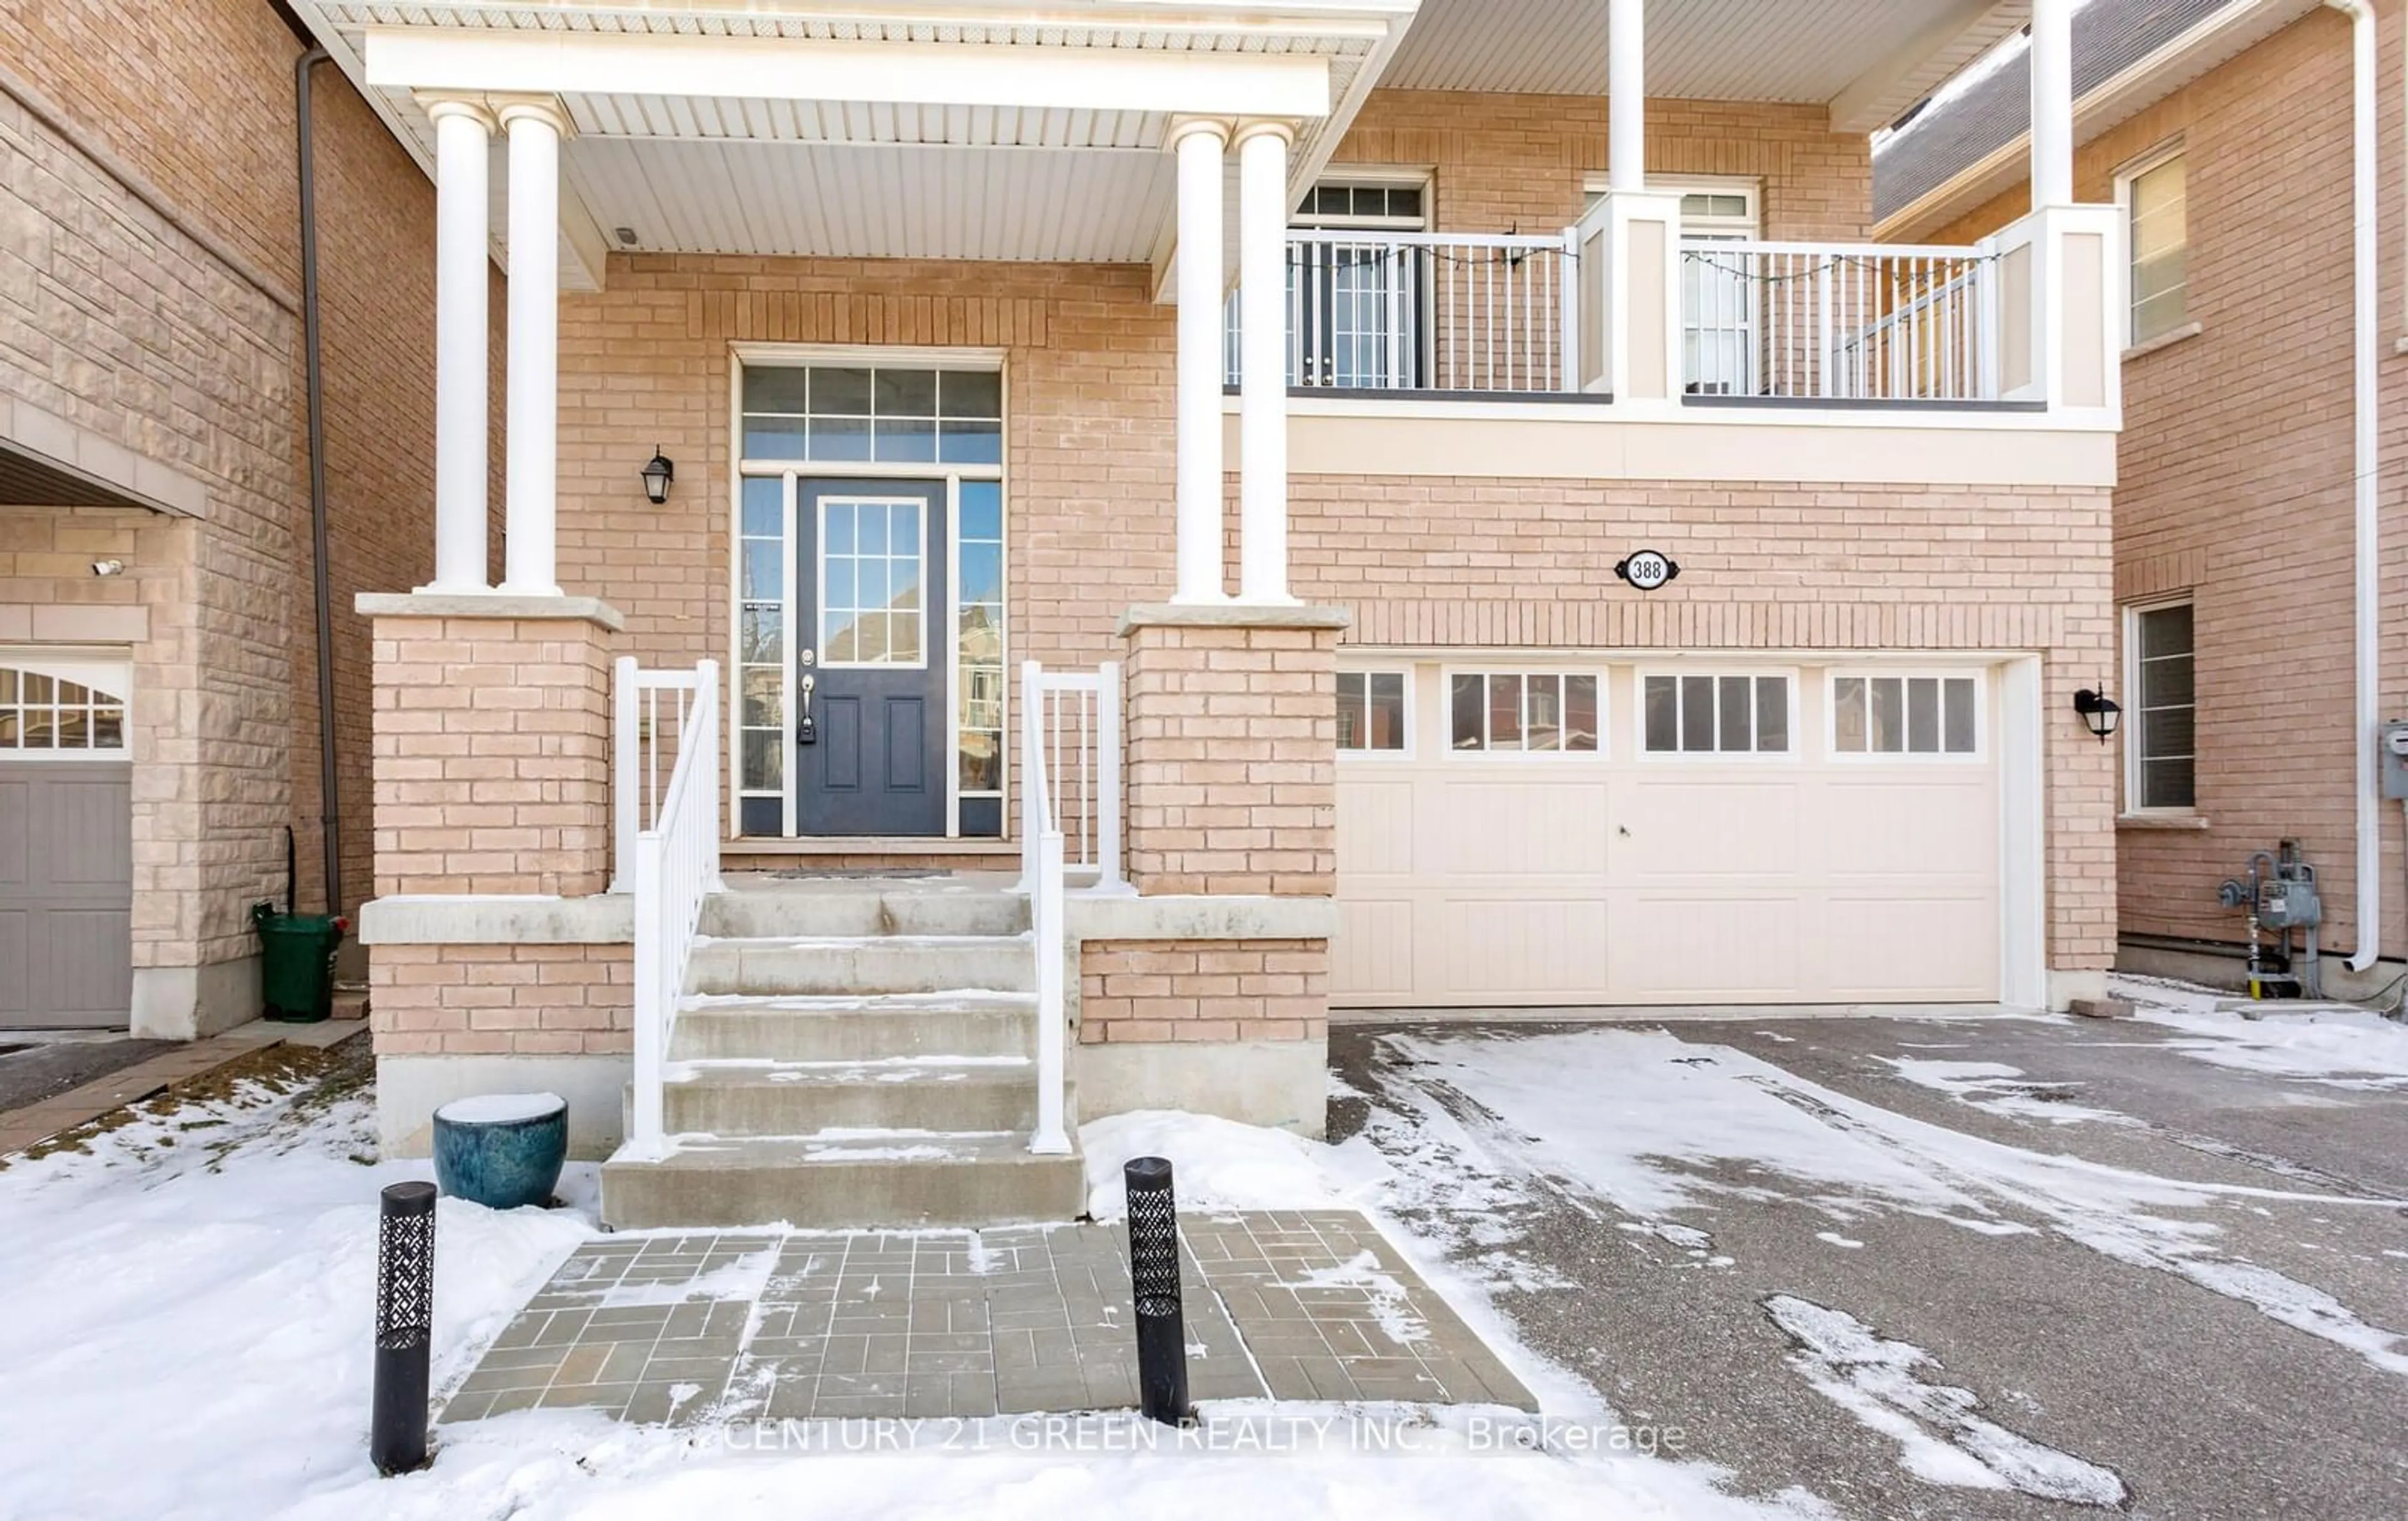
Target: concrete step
(852,966)
(764,1099)
(896,1179)
(854,1029)
(769,909)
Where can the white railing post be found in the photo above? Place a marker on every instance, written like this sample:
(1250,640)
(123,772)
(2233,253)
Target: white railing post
(644,1135)
(1032,804)
(701,734)
(672,867)
(624,743)
(1110,867)
(1049,1138)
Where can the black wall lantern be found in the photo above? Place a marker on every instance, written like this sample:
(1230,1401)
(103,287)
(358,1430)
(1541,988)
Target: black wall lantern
(2098,710)
(657,476)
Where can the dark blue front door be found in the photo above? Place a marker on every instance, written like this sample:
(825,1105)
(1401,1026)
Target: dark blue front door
(871,655)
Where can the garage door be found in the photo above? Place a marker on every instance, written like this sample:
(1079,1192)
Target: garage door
(1552,832)
(65,846)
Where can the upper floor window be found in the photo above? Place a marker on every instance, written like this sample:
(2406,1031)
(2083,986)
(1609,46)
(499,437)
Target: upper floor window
(2161,745)
(2154,195)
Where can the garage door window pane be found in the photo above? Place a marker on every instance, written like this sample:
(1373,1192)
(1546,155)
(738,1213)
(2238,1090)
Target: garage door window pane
(1958,720)
(1387,709)
(1848,715)
(43,712)
(1468,732)
(1923,715)
(1890,716)
(1351,725)
(1697,714)
(1504,713)
(1580,713)
(1663,715)
(1773,714)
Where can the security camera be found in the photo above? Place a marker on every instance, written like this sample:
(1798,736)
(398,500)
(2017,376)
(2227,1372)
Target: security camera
(109,567)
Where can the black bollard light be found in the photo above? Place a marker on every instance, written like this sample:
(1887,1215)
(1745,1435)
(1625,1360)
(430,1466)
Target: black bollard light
(405,1327)
(1153,1275)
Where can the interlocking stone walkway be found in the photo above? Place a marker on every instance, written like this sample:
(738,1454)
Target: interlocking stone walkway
(695,1327)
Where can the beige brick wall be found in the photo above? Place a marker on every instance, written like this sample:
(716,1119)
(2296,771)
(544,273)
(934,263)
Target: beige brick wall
(1203,990)
(1505,163)
(1232,752)
(149,294)
(1500,563)
(492,755)
(525,1000)
(2235,470)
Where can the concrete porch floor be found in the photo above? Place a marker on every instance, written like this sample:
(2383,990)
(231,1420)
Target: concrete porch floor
(695,1328)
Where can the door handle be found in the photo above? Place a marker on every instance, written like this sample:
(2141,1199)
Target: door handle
(806,732)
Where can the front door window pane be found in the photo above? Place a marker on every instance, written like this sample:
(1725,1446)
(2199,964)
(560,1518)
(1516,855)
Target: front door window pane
(870,601)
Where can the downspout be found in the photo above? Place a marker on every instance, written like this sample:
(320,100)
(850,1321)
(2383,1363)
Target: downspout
(330,811)
(2365,464)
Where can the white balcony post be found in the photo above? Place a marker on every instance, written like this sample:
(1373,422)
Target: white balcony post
(1262,386)
(531,470)
(1626,96)
(1201,282)
(1110,873)
(2052,103)
(463,136)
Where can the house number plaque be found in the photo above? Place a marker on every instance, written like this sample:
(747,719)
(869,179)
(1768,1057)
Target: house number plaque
(1647,570)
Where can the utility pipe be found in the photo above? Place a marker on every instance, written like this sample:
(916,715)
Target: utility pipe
(2365,467)
(330,811)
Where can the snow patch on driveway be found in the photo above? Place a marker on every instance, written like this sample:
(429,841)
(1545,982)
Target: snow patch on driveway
(1996,1088)
(1942,1437)
(2340,1047)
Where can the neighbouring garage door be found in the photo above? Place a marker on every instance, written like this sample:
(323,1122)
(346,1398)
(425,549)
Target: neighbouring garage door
(1535,832)
(65,846)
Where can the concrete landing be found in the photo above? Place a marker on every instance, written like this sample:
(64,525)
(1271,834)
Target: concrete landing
(700,1329)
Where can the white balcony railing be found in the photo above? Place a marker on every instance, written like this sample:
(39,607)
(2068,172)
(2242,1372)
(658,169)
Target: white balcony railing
(1423,312)
(1821,322)
(1041,847)
(676,865)
(1076,719)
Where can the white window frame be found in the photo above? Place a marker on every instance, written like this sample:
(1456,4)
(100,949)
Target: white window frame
(2156,158)
(1411,746)
(922,510)
(1445,730)
(1378,176)
(107,677)
(743,356)
(1979,754)
(2134,725)
(1795,752)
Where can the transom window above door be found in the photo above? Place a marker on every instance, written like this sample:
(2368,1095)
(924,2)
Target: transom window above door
(846,414)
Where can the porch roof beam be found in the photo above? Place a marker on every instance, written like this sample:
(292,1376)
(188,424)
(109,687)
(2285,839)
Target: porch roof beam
(914,74)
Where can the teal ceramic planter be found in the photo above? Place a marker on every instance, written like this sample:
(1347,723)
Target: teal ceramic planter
(503,1151)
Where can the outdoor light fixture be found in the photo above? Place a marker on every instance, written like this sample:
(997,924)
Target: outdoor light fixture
(657,476)
(2098,710)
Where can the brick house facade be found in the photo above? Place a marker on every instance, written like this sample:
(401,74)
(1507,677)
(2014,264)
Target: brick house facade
(152,366)
(2235,491)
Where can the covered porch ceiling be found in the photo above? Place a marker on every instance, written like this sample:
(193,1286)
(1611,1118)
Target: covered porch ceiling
(850,128)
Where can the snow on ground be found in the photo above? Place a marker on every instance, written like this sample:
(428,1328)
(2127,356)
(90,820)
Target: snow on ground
(2339,1046)
(1220,1164)
(185,1317)
(1642,1125)
(1999,1089)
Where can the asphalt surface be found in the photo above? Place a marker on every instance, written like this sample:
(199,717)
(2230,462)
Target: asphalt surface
(2205,1404)
(33,1067)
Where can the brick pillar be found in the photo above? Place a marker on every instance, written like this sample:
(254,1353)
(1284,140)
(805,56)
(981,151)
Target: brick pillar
(491,756)
(1232,762)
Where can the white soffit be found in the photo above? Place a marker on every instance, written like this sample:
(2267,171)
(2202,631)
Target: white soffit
(856,121)
(1799,51)
(876,201)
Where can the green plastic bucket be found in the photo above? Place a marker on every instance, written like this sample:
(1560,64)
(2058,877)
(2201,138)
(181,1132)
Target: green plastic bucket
(296,963)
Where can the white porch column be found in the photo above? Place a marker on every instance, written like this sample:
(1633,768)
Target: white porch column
(1262,394)
(2052,103)
(1201,285)
(530,471)
(462,135)
(1626,96)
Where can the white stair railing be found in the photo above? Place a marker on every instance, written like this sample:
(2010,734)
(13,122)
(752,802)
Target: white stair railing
(1043,877)
(648,735)
(676,865)
(1077,725)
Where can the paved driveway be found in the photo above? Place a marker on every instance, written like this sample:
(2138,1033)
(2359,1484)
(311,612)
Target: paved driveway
(1975,1267)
